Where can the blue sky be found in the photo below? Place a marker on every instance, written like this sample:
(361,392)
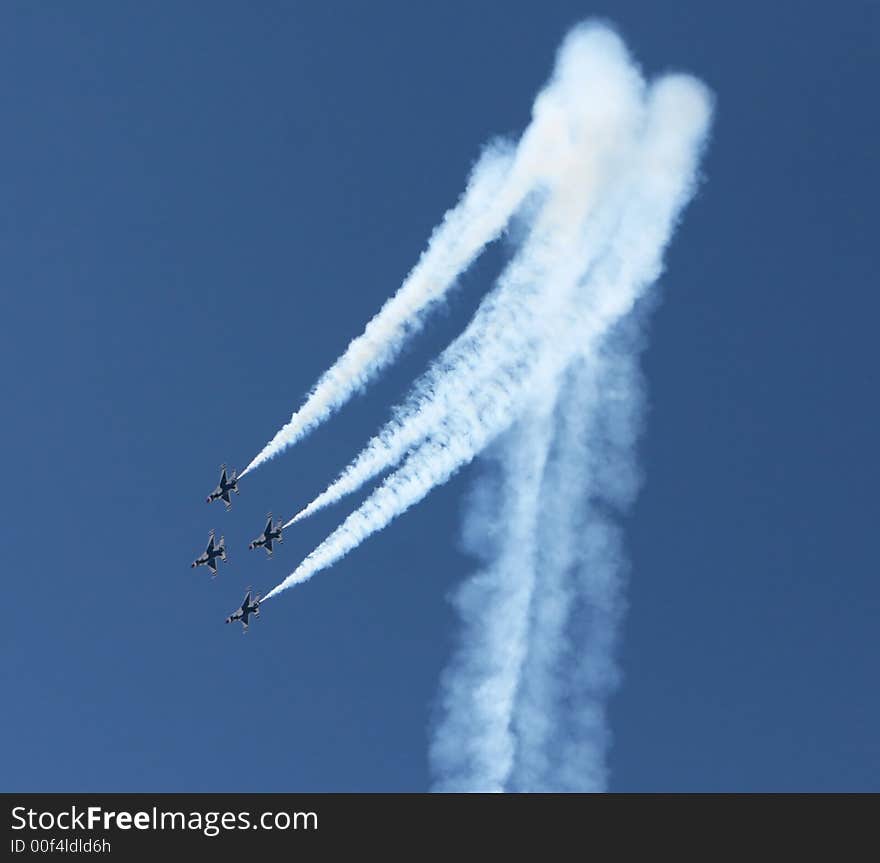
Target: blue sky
(203,202)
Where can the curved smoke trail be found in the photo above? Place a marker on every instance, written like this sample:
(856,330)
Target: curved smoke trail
(499,184)
(678,117)
(475,741)
(597,94)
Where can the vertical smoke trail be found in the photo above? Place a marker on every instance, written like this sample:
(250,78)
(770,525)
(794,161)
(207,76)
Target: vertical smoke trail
(600,570)
(560,723)
(559,718)
(540,619)
(473,745)
(499,184)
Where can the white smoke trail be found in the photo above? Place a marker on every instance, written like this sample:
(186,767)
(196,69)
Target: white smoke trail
(540,692)
(678,116)
(482,212)
(498,186)
(559,717)
(598,577)
(474,741)
(596,94)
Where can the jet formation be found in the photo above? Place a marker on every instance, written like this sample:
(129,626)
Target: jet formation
(216,551)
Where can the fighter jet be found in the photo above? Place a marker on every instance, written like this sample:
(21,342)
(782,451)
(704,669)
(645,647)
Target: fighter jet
(211,553)
(224,488)
(246,609)
(268,536)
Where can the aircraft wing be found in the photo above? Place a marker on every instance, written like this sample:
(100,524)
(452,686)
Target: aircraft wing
(212,564)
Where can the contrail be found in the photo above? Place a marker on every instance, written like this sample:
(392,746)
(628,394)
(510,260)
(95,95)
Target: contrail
(544,684)
(474,745)
(572,571)
(522,703)
(599,94)
(677,120)
(559,718)
(499,184)
(595,582)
